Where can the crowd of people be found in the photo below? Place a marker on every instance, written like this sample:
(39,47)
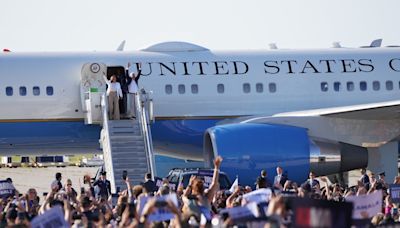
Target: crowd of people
(147,205)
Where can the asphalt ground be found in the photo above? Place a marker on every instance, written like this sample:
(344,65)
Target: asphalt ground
(41,178)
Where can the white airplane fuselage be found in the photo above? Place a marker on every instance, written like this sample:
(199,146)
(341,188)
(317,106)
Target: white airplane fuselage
(275,81)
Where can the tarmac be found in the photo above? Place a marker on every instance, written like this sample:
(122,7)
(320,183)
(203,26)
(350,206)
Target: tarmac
(41,178)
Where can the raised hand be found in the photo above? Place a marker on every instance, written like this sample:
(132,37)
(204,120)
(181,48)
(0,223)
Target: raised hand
(217,161)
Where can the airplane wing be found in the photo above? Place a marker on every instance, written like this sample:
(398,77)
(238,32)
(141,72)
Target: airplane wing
(374,111)
(368,125)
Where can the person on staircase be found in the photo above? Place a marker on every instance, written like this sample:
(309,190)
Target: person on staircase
(113,93)
(133,88)
(122,78)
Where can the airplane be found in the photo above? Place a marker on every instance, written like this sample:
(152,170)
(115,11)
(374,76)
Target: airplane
(326,110)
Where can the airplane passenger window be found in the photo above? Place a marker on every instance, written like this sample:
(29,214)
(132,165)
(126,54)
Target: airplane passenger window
(195,89)
(389,85)
(168,89)
(49,90)
(259,87)
(336,86)
(350,86)
(181,89)
(246,87)
(324,86)
(9,91)
(22,91)
(272,87)
(36,91)
(376,85)
(363,86)
(220,88)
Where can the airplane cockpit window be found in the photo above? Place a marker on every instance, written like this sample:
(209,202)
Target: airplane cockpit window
(272,87)
(376,85)
(389,85)
(168,89)
(220,88)
(324,86)
(22,91)
(246,88)
(259,87)
(195,89)
(363,86)
(9,91)
(350,86)
(181,89)
(36,91)
(49,90)
(336,86)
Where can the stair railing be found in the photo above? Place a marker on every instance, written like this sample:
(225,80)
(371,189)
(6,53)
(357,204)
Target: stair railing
(142,103)
(106,143)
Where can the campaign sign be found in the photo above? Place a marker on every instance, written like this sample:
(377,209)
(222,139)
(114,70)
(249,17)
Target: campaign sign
(6,189)
(161,213)
(53,218)
(321,213)
(244,213)
(366,206)
(395,192)
(259,196)
(159,183)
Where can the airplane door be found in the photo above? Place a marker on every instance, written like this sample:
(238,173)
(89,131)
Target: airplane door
(91,87)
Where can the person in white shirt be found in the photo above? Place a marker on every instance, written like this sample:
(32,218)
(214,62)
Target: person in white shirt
(113,92)
(133,89)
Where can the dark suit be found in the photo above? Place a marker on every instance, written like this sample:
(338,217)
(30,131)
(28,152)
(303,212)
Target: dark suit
(364,179)
(150,186)
(281,180)
(122,79)
(104,188)
(313,183)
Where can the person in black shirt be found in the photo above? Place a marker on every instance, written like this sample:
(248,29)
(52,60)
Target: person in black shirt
(104,186)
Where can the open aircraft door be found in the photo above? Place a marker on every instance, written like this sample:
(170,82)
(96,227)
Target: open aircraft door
(92,87)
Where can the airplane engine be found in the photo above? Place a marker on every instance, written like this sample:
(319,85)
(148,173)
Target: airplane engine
(249,148)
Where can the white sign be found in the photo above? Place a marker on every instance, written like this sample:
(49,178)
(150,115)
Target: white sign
(51,218)
(366,205)
(259,196)
(6,189)
(248,211)
(161,213)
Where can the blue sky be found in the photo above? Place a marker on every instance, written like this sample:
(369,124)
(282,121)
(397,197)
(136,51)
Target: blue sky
(87,25)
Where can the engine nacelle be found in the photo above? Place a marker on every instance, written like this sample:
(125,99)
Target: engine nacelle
(248,148)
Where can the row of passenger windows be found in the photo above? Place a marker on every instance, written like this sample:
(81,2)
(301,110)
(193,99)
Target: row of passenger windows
(194,88)
(23,91)
(363,86)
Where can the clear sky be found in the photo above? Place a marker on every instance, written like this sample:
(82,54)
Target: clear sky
(86,25)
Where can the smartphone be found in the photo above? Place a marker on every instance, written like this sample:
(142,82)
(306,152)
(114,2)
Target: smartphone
(45,193)
(82,190)
(114,199)
(124,174)
(160,203)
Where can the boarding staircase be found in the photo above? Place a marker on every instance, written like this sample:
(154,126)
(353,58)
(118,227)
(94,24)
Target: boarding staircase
(127,143)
